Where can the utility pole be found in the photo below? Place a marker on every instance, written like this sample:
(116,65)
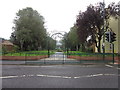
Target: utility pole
(103,45)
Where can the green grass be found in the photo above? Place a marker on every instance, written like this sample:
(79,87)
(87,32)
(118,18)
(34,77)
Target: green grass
(29,53)
(78,53)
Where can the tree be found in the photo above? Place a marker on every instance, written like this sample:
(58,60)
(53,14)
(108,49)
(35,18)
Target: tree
(64,41)
(91,23)
(29,32)
(51,43)
(73,38)
(81,29)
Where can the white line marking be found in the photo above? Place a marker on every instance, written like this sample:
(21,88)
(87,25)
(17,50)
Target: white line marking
(23,75)
(41,75)
(95,75)
(54,76)
(75,77)
(67,77)
(9,77)
(118,68)
(108,65)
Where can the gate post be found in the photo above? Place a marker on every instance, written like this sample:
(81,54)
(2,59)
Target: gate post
(48,48)
(63,59)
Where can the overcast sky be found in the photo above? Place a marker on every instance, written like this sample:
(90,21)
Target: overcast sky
(59,15)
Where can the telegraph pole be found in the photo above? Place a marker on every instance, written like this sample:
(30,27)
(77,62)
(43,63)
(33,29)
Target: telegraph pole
(103,45)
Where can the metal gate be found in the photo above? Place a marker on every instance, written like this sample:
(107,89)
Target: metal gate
(55,59)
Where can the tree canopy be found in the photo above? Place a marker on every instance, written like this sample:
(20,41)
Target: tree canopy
(29,32)
(72,38)
(91,22)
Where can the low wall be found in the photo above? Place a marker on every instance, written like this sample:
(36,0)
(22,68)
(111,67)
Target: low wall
(23,57)
(117,59)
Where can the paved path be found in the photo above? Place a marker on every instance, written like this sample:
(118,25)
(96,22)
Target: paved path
(58,56)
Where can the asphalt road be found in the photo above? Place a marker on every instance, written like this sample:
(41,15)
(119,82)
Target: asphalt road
(24,75)
(59,76)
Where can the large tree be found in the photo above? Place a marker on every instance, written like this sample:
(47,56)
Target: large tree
(73,38)
(91,22)
(51,43)
(29,32)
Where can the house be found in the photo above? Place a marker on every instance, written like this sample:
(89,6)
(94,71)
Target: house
(115,26)
(7,45)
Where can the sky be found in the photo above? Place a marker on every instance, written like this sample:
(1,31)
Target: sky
(59,15)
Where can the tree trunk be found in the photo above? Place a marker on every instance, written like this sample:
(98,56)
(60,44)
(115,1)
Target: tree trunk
(83,47)
(76,47)
(99,45)
(21,45)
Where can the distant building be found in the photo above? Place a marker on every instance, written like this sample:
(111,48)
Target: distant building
(7,45)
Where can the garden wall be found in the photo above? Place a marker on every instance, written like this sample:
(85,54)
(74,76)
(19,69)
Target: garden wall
(23,57)
(117,59)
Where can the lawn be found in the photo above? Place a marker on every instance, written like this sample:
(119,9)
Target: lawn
(29,53)
(78,53)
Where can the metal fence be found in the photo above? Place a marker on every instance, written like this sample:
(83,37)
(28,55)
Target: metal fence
(36,58)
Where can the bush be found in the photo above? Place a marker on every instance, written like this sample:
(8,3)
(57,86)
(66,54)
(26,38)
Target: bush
(4,50)
(16,48)
(59,50)
(89,50)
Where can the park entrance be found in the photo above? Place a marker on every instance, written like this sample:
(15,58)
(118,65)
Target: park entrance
(59,54)
(62,55)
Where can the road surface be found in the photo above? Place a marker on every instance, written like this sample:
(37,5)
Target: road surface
(22,74)
(59,76)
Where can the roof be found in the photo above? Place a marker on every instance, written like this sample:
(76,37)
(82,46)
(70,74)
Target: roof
(6,42)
